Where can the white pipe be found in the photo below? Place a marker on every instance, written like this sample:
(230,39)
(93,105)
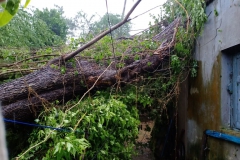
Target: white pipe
(3,148)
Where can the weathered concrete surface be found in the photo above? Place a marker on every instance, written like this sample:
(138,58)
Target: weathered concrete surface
(208,101)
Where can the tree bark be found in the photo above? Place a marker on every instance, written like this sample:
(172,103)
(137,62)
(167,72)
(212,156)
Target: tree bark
(24,97)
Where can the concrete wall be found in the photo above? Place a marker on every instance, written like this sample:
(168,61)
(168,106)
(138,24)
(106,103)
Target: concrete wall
(207,104)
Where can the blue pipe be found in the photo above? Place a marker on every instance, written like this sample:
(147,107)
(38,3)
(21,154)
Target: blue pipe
(223,136)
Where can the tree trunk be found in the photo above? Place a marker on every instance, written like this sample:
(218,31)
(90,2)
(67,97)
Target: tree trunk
(24,97)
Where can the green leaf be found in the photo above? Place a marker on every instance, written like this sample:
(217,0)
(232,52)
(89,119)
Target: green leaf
(112,142)
(57,147)
(5,17)
(8,11)
(26,3)
(99,125)
(69,146)
(63,70)
(66,121)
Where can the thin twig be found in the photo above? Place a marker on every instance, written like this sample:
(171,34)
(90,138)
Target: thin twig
(90,88)
(46,138)
(79,122)
(32,57)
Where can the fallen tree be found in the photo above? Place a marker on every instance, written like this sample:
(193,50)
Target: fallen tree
(24,97)
(153,96)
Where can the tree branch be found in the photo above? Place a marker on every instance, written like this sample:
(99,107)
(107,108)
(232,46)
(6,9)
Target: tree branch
(97,38)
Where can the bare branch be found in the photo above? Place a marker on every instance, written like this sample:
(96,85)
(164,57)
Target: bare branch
(124,6)
(97,38)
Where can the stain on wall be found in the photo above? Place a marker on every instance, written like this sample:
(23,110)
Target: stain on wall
(203,110)
(208,102)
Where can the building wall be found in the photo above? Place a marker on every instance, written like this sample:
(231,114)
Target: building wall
(207,104)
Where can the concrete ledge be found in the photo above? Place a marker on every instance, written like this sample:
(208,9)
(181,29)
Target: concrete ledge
(230,132)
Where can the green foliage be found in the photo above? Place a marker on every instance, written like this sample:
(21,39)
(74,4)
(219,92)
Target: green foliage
(181,61)
(54,19)
(194,9)
(83,23)
(112,131)
(127,49)
(176,64)
(26,30)
(67,147)
(215,12)
(19,40)
(194,17)
(101,128)
(16,62)
(154,28)
(194,69)
(103,24)
(90,27)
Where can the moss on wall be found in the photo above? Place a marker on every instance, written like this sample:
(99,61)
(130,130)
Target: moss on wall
(194,149)
(204,108)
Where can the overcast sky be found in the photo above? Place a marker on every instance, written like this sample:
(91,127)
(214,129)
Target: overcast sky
(98,7)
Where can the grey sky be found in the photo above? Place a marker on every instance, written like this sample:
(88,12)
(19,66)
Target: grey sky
(71,7)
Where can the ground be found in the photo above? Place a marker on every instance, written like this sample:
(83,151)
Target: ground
(144,153)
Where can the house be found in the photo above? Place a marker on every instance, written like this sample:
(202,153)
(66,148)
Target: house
(211,101)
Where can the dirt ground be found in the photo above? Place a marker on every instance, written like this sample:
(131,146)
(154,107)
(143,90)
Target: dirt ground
(144,153)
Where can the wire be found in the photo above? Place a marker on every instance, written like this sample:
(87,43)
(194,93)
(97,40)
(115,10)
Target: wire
(144,30)
(137,30)
(145,12)
(36,125)
(110,32)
